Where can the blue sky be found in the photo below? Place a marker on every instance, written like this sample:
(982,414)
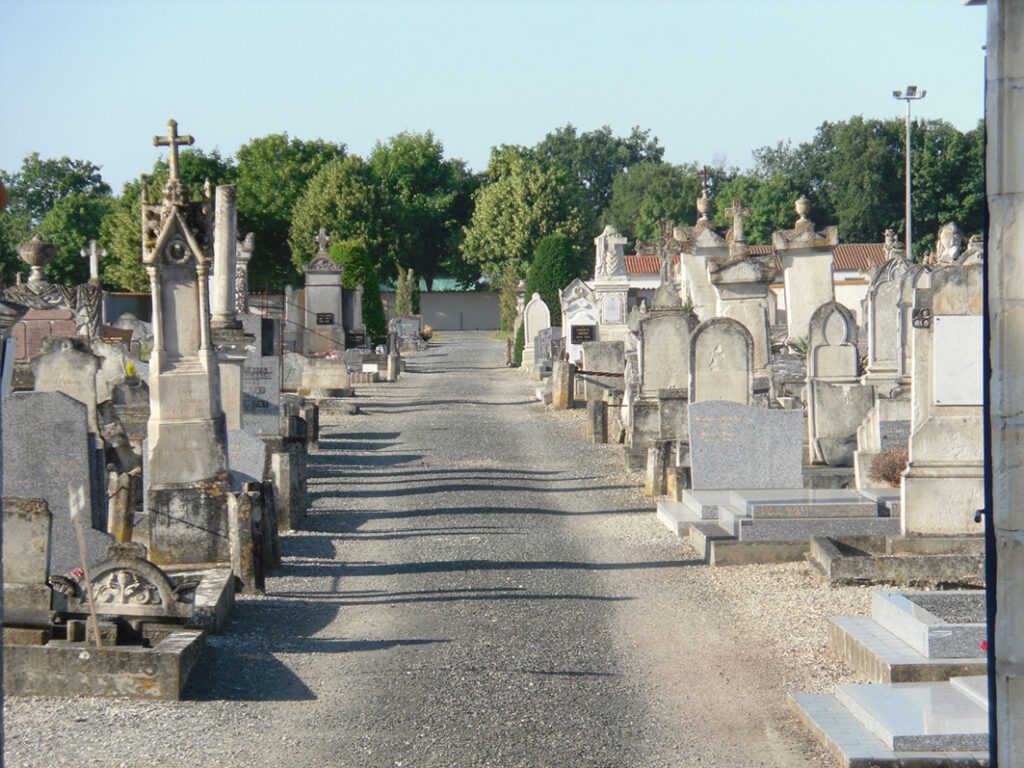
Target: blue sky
(713,80)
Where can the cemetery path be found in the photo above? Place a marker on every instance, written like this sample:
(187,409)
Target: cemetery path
(475,585)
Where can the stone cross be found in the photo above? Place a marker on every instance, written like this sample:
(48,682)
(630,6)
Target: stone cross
(94,257)
(322,239)
(738,213)
(172,141)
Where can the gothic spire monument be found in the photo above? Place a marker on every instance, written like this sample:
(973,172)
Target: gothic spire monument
(187,453)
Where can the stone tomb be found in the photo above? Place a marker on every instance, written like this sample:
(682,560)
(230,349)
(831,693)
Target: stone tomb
(46,446)
(323,321)
(261,376)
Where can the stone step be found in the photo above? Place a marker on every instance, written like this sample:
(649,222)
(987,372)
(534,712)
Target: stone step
(675,516)
(717,547)
(803,503)
(916,618)
(704,504)
(918,717)
(878,656)
(854,746)
(975,687)
(801,529)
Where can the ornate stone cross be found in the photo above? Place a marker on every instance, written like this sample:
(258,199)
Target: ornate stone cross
(94,255)
(322,239)
(738,213)
(172,141)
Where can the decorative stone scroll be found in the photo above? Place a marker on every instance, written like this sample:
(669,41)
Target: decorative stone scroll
(125,585)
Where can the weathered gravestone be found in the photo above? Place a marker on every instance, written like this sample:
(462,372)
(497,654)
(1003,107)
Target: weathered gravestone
(734,446)
(721,362)
(700,243)
(543,351)
(837,402)
(261,376)
(47,445)
(26,553)
(536,318)
(806,257)
(603,356)
(66,364)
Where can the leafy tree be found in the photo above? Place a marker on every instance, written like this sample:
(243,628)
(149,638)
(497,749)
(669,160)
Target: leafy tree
(356,270)
(649,192)
(343,198)
(70,224)
(33,191)
(121,228)
(555,265)
(427,203)
(593,159)
(273,172)
(518,346)
(519,205)
(403,292)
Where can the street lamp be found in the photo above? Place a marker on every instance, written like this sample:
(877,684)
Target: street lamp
(910,95)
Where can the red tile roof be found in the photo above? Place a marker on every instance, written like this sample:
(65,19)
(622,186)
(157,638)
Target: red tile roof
(645,265)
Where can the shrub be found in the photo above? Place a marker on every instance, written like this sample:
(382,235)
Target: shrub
(357,269)
(887,467)
(517,350)
(555,265)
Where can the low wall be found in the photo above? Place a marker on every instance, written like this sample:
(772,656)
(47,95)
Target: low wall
(455,310)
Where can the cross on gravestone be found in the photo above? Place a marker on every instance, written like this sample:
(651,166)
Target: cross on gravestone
(322,240)
(94,255)
(738,213)
(172,141)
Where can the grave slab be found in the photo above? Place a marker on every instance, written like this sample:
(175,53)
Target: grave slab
(936,625)
(816,503)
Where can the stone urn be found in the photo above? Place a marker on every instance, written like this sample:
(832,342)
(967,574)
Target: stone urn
(37,253)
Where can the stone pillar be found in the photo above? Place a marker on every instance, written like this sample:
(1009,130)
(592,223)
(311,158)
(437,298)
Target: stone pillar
(806,257)
(597,421)
(243,255)
(225,243)
(1004,119)
(699,244)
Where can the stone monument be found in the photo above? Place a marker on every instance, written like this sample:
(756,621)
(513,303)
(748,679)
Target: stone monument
(324,316)
(187,439)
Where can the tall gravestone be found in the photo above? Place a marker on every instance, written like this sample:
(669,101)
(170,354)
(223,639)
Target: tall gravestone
(700,243)
(187,439)
(806,257)
(741,281)
(721,362)
(836,400)
(611,284)
(324,312)
(883,300)
(536,317)
(943,484)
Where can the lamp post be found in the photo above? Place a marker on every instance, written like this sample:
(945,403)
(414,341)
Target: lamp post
(910,95)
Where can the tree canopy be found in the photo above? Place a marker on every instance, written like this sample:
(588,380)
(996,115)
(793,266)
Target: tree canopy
(555,265)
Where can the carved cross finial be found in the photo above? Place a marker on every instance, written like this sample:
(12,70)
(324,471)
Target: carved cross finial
(738,213)
(172,141)
(93,255)
(706,173)
(322,239)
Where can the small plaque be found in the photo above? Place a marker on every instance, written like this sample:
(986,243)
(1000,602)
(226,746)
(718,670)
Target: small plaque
(355,340)
(325,318)
(582,333)
(957,360)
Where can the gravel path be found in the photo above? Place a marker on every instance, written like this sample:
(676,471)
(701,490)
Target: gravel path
(478,586)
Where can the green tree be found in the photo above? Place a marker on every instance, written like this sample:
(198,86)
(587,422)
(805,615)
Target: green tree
(555,265)
(121,228)
(33,191)
(71,223)
(404,293)
(427,202)
(648,192)
(520,203)
(273,172)
(593,159)
(356,270)
(345,199)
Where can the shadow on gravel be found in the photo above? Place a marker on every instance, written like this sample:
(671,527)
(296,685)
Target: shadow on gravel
(343,570)
(240,664)
(343,521)
(449,487)
(375,460)
(406,406)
